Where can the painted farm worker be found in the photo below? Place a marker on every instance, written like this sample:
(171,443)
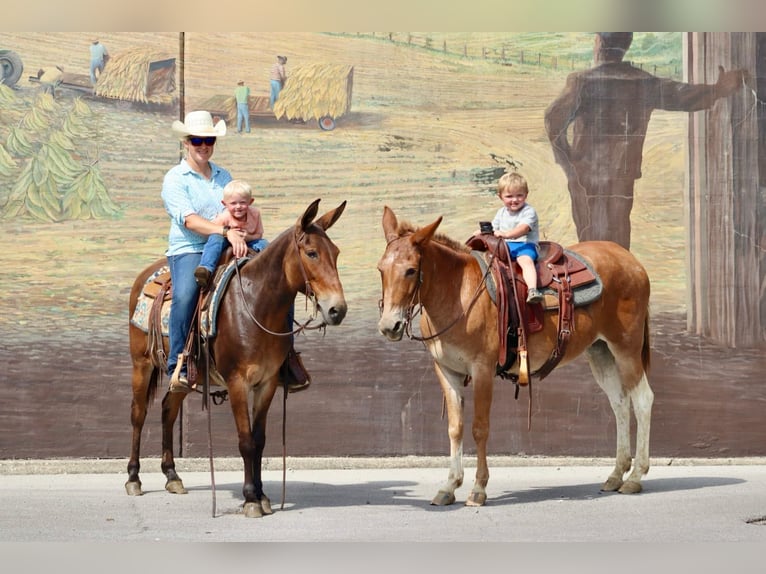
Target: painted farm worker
(242,96)
(277,78)
(99,56)
(192,193)
(50,78)
(608,108)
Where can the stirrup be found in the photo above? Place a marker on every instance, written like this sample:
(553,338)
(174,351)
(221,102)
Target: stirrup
(293,373)
(178,382)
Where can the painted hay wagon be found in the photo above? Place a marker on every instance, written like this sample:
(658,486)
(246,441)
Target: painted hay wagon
(143,77)
(320,92)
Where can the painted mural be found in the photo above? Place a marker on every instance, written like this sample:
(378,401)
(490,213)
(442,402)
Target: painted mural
(422,122)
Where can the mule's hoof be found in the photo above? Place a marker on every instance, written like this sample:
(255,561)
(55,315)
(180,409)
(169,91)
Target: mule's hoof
(133,488)
(443,498)
(253,510)
(175,487)
(266,505)
(612,484)
(476,499)
(631,487)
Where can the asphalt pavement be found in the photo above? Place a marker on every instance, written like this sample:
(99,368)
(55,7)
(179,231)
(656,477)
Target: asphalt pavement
(387,500)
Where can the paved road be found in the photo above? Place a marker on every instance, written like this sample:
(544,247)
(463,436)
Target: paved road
(552,501)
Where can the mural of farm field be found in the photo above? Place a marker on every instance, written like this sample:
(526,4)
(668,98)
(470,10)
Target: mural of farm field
(433,118)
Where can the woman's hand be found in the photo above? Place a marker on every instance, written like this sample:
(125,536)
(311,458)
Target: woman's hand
(237,239)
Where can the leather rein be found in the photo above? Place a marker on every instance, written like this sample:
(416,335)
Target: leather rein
(310,295)
(415,305)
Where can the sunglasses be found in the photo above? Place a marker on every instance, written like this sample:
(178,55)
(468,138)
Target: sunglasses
(196,142)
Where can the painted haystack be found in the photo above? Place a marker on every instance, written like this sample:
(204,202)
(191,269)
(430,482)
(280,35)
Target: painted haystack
(139,75)
(314,91)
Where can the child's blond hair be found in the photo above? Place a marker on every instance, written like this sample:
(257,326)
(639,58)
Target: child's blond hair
(512,180)
(237,187)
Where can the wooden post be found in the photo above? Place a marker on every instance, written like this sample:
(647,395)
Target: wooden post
(725,206)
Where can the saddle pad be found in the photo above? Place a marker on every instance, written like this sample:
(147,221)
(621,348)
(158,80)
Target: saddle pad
(210,312)
(582,295)
(144,303)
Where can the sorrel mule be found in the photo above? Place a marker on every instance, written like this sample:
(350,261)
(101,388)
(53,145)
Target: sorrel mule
(301,259)
(458,323)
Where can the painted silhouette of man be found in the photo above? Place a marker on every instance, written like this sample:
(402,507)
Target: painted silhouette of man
(608,108)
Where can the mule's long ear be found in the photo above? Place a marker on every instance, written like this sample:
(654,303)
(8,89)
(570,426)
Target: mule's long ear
(390,224)
(327,220)
(425,233)
(308,216)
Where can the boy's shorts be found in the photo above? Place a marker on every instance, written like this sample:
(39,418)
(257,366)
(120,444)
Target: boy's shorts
(516,248)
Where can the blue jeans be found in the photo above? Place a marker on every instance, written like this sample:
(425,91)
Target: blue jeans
(183,304)
(276,87)
(215,246)
(243,117)
(95,65)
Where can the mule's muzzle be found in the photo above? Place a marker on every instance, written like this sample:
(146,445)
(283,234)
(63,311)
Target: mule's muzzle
(392,331)
(335,314)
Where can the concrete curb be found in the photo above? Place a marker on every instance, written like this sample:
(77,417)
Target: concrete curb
(118,466)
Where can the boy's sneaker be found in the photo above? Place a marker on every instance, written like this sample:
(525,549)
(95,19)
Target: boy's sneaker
(534,296)
(202,276)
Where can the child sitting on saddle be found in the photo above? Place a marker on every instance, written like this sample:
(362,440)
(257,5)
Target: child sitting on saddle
(517,223)
(241,215)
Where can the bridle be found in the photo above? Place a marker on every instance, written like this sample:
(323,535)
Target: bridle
(309,292)
(415,305)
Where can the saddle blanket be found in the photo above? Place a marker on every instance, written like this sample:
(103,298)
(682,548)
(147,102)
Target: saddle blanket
(144,303)
(143,308)
(583,295)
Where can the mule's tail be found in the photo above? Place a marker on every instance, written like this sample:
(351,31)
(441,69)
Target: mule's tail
(646,352)
(151,388)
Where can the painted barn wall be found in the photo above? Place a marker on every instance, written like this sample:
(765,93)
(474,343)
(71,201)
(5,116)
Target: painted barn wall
(433,117)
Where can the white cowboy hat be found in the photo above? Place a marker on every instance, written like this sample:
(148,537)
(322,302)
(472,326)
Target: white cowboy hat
(199,123)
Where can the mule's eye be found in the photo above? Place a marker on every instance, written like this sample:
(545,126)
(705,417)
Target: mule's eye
(410,272)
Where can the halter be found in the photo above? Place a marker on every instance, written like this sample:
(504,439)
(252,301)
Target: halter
(415,307)
(310,295)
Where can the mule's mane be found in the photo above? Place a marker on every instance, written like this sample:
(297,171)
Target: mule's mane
(407,228)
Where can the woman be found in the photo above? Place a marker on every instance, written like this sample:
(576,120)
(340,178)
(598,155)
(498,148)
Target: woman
(192,193)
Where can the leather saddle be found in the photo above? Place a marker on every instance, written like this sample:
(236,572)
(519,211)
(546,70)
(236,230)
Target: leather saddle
(559,273)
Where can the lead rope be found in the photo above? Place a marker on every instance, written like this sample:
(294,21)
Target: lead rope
(206,398)
(284,443)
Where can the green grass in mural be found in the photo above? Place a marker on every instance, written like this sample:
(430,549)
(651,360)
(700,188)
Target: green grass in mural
(656,52)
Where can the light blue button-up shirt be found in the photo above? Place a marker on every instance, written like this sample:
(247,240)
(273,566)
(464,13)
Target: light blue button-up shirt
(185,192)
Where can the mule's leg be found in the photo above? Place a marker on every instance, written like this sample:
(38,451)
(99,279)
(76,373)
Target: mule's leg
(453,394)
(171,404)
(262,397)
(142,375)
(604,368)
(252,439)
(238,398)
(642,398)
(482,396)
